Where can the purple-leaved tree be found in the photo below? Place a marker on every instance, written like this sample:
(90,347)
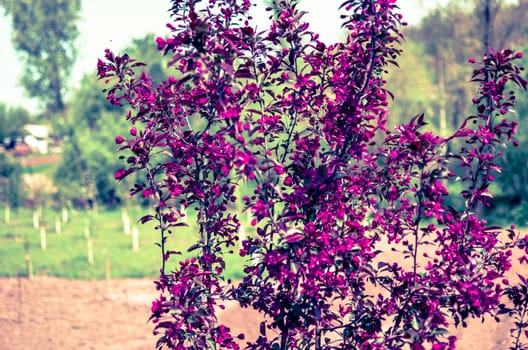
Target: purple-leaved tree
(356,244)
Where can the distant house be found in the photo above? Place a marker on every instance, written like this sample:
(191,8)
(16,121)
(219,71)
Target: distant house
(38,137)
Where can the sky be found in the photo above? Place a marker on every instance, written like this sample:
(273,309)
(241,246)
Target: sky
(114,23)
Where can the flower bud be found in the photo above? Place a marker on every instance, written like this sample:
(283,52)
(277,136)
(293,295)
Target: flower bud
(119,139)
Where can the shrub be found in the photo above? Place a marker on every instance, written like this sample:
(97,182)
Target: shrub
(11,190)
(335,190)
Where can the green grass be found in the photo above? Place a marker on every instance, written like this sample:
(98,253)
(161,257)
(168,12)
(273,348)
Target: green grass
(66,254)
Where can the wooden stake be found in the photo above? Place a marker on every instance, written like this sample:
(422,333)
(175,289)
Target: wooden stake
(29,266)
(107,266)
(20,300)
(27,257)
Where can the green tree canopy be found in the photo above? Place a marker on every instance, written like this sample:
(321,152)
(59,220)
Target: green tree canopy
(11,186)
(44,34)
(89,161)
(432,75)
(12,121)
(448,37)
(143,50)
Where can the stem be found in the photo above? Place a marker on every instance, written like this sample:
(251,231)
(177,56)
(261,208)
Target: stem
(294,69)
(284,338)
(159,218)
(417,222)
(415,250)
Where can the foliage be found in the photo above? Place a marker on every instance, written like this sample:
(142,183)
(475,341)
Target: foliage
(85,175)
(335,190)
(511,202)
(44,33)
(433,78)
(11,189)
(87,159)
(12,122)
(518,296)
(414,79)
(451,34)
(143,50)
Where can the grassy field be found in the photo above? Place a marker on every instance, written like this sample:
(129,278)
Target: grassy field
(90,245)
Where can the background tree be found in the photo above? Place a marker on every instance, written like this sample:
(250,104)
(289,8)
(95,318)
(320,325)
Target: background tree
(435,61)
(12,121)
(511,201)
(452,34)
(414,81)
(85,175)
(44,34)
(11,188)
(145,51)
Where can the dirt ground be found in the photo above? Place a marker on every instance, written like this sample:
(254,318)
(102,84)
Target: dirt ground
(50,313)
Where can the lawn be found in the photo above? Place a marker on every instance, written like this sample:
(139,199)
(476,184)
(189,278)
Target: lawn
(90,245)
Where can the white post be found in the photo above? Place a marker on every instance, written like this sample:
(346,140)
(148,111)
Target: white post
(89,251)
(87,229)
(43,238)
(7,214)
(64,215)
(57,226)
(126,221)
(35,219)
(135,239)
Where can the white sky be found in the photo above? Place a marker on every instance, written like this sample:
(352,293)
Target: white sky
(114,23)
